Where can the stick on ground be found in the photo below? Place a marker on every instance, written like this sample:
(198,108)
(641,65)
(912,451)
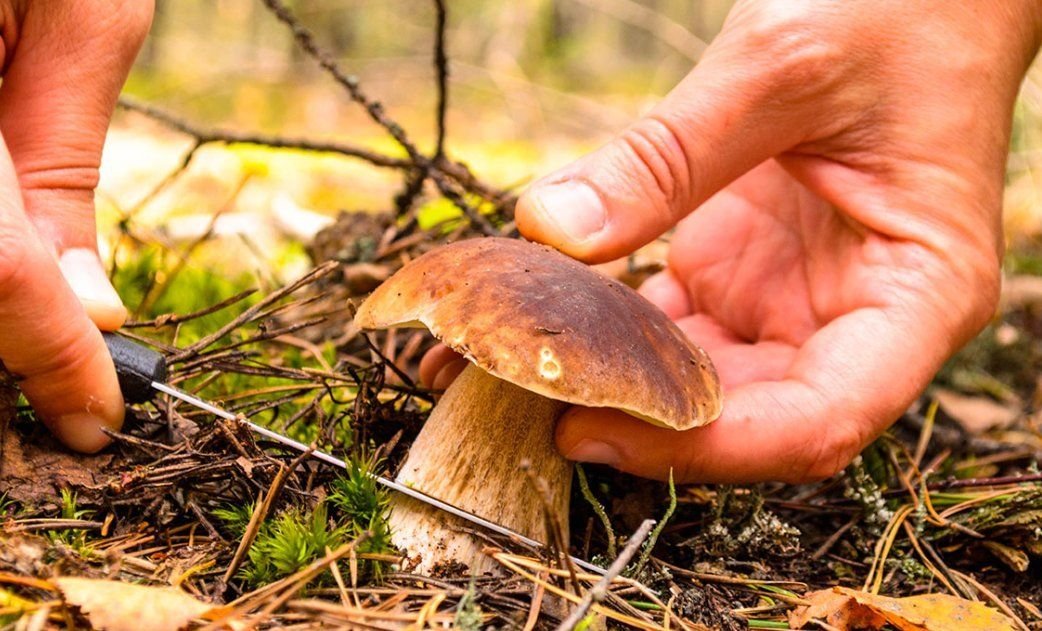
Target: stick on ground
(599,591)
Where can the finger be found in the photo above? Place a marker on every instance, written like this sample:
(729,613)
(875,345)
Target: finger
(69,62)
(46,338)
(448,373)
(749,99)
(433,361)
(665,291)
(843,388)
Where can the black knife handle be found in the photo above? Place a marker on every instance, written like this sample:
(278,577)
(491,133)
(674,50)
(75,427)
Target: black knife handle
(137,366)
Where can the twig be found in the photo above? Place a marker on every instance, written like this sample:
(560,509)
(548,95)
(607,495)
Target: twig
(976,482)
(441,69)
(523,567)
(172,318)
(599,591)
(376,112)
(162,185)
(28,525)
(538,592)
(939,570)
(203,135)
(247,315)
(156,291)
(990,595)
(216,536)
(554,529)
(835,537)
(307,43)
(259,514)
(149,446)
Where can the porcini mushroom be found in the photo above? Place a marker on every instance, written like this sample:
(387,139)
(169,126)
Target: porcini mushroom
(541,331)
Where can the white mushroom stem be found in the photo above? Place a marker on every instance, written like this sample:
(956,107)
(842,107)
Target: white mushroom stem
(468,455)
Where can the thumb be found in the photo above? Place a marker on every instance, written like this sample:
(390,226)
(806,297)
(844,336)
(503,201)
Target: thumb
(745,102)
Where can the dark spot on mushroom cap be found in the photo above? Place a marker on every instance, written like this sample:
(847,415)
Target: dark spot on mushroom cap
(532,316)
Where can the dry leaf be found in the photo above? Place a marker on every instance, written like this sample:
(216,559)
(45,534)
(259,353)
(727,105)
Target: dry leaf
(836,609)
(848,609)
(116,606)
(977,414)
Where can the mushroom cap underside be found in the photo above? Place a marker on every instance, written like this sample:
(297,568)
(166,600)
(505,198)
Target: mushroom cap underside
(547,323)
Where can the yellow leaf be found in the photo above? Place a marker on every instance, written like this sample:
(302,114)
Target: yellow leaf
(116,606)
(9,600)
(848,609)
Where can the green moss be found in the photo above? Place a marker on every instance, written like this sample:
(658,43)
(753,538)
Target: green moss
(363,506)
(295,537)
(289,542)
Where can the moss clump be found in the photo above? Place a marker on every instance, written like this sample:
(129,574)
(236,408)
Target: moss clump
(295,537)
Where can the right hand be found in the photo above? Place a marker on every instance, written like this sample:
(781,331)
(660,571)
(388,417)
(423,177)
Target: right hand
(846,163)
(63,64)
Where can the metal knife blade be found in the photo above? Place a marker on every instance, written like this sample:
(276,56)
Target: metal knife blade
(136,366)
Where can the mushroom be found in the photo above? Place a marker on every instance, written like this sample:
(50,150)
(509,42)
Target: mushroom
(541,331)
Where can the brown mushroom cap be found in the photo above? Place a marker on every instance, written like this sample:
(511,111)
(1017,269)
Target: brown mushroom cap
(547,323)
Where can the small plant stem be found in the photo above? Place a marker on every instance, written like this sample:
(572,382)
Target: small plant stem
(646,552)
(598,509)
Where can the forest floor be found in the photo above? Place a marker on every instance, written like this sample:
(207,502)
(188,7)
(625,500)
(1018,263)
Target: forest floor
(234,269)
(949,501)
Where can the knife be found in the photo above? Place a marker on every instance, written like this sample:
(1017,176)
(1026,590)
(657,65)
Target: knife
(142,374)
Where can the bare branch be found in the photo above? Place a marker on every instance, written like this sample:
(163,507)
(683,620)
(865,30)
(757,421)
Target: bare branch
(375,109)
(203,135)
(441,69)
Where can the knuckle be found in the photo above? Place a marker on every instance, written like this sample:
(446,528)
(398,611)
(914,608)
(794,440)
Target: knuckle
(14,254)
(72,179)
(802,61)
(655,145)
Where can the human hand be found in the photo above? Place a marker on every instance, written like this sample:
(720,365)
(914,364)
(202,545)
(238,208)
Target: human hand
(63,64)
(846,160)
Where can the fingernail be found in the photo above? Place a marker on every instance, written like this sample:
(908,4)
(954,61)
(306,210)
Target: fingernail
(83,271)
(594,451)
(575,209)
